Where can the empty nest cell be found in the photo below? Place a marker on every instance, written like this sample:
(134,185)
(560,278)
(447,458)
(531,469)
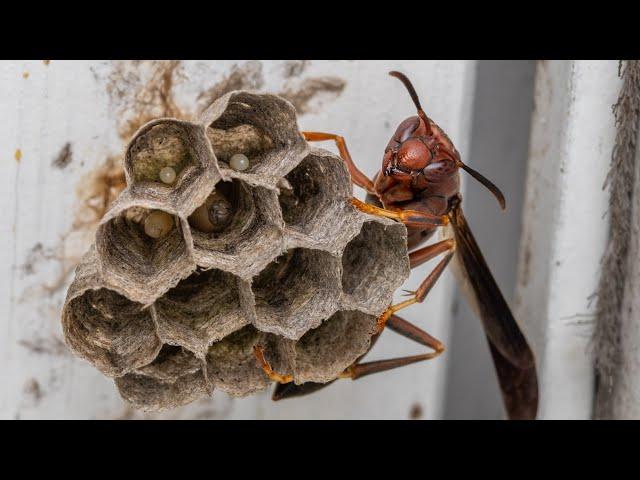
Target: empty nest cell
(374,265)
(150,394)
(201,309)
(143,251)
(316,210)
(237,228)
(232,366)
(326,351)
(113,333)
(171,363)
(296,292)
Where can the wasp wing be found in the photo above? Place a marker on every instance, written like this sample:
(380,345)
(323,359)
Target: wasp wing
(512,356)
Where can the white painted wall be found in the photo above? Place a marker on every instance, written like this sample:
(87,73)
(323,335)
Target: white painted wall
(67,102)
(564,227)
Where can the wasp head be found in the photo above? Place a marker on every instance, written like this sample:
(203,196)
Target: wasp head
(420,153)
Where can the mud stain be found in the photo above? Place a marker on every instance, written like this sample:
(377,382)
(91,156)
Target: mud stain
(35,256)
(313,92)
(45,346)
(141,91)
(526,263)
(245,77)
(294,68)
(97,190)
(64,157)
(33,391)
(416,412)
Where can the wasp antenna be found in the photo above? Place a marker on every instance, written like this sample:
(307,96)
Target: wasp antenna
(487,183)
(412,91)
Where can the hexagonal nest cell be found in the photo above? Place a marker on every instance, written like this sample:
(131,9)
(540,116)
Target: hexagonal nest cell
(110,331)
(315,209)
(203,308)
(143,266)
(262,127)
(372,262)
(296,292)
(185,278)
(250,236)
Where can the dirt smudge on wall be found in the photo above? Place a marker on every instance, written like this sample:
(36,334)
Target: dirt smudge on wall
(244,77)
(141,90)
(64,157)
(295,68)
(45,346)
(310,90)
(36,254)
(32,390)
(416,413)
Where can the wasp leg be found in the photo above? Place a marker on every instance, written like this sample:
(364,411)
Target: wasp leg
(263,363)
(357,176)
(425,287)
(411,218)
(407,330)
(422,255)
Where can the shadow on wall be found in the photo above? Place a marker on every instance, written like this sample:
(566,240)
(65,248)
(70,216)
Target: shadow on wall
(499,149)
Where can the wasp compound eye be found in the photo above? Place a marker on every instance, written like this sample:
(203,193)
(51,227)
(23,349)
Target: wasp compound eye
(413,155)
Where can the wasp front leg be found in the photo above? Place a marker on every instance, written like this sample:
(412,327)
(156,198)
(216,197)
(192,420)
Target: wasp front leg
(417,258)
(411,218)
(357,176)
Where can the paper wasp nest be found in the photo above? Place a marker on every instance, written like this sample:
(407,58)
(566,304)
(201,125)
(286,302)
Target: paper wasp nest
(174,313)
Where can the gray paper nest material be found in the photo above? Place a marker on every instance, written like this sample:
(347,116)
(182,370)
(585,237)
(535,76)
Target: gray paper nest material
(297,270)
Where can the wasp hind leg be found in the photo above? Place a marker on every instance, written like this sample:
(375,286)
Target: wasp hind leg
(359,370)
(407,330)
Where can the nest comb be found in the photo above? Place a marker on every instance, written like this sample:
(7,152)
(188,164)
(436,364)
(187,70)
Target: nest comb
(296,268)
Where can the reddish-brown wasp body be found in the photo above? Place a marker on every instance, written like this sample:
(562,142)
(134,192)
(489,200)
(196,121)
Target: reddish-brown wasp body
(419,185)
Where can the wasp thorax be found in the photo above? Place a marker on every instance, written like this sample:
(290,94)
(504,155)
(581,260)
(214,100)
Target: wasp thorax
(158,224)
(214,215)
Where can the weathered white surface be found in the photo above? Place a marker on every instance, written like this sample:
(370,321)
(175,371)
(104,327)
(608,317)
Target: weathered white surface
(564,229)
(67,102)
